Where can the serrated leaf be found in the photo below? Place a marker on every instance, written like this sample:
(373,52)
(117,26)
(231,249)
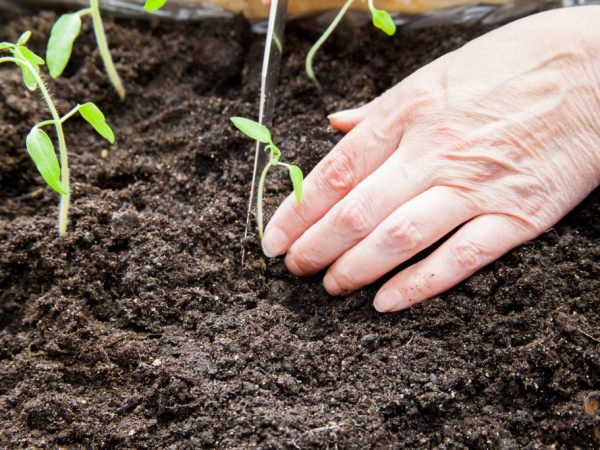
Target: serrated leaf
(92,114)
(60,45)
(297,178)
(252,129)
(24,38)
(41,150)
(153,5)
(383,21)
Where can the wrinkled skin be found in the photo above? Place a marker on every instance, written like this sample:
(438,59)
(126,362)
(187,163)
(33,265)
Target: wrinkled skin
(499,140)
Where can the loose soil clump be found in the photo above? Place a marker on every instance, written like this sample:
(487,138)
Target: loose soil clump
(141,330)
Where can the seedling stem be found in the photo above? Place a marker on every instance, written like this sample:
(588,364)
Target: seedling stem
(315,48)
(111,71)
(381,20)
(66,30)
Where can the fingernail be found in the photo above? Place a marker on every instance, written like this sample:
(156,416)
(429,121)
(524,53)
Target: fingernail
(275,242)
(388,300)
(347,114)
(331,286)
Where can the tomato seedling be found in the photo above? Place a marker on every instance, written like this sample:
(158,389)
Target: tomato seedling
(262,134)
(66,30)
(38,143)
(381,20)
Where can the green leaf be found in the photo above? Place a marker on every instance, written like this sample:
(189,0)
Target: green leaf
(383,21)
(41,150)
(6,45)
(27,62)
(252,129)
(28,55)
(28,77)
(92,114)
(24,38)
(297,177)
(60,45)
(153,5)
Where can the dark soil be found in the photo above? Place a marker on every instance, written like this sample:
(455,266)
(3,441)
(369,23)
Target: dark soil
(141,330)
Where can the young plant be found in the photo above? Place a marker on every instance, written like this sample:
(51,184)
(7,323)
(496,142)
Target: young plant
(66,30)
(381,20)
(262,134)
(38,143)
(153,5)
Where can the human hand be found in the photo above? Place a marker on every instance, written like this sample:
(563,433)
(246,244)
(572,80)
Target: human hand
(500,138)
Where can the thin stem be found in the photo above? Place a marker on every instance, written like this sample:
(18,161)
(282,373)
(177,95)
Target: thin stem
(70,114)
(315,48)
(65,199)
(84,12)
(274,156)
(104,52)
(45,123)
(63,119)
(259,199)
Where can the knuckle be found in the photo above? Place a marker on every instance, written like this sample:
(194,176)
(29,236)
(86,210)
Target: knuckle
(468,256)
(354,217)
(402,234)
(345,280)
(306,261)
(338,172)
(300,211)
(528,199)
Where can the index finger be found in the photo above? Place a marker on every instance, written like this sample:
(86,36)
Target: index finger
(357,155)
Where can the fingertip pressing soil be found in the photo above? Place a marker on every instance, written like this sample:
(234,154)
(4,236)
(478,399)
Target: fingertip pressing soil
(141,329)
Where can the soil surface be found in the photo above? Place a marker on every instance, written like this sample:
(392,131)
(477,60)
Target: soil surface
(141,330)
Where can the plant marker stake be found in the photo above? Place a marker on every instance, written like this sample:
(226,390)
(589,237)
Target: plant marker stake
(269,78)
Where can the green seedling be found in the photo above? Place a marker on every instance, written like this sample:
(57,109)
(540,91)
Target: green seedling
(66,30)
(381,20)
(153,5)
(262,134)
(38,143)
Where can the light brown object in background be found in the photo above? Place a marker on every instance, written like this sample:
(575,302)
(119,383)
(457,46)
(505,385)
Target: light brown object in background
(255,9)
(591,403)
